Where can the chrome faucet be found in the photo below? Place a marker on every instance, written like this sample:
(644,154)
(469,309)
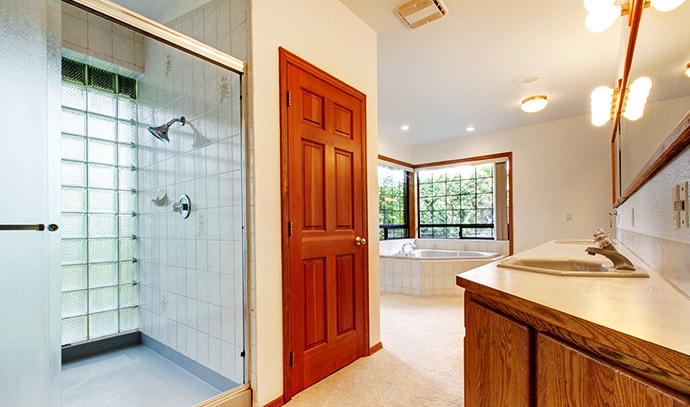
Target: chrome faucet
(407,248)
(606,249)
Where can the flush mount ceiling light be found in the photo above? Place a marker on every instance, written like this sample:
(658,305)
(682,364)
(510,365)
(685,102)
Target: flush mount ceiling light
(534,103)
(404,127)
(420,12)
(603,13)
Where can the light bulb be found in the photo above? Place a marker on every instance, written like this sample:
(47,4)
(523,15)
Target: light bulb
(637,98)
(687,70)
(666,5)
(601,105)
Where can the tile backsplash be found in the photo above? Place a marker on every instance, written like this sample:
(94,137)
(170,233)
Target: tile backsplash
(644,224)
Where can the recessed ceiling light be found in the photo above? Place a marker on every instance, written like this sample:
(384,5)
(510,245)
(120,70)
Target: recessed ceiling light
(528,79)
(404,127)
(470,128)
(534,103)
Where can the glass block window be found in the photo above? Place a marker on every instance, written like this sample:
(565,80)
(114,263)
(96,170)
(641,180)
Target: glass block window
(456,202)
(99,273)
(393,203)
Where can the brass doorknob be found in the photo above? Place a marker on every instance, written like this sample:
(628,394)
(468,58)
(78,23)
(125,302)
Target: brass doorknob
(359,241)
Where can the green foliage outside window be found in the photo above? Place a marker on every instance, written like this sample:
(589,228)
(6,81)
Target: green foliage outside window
(393,203)
(456,202)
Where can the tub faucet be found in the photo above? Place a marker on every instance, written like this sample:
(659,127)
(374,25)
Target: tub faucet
(407,248)
(606,249)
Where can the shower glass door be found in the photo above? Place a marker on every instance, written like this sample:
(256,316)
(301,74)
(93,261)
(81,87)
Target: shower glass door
(180,281)
(29,204)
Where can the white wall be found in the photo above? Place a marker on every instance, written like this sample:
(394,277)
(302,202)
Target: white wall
(342,45)
(559,167)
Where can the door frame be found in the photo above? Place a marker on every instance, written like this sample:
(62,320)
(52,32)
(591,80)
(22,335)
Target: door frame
(286,58)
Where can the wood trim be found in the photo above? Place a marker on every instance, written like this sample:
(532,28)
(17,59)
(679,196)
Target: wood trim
(511,219)
(464,160)
(676,142)
(375,348)
(285,217)
(634,18)
(412,218)
(394,161)
(280,401)
(614,164)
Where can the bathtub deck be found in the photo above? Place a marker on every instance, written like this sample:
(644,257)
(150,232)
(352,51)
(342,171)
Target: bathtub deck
(134,376)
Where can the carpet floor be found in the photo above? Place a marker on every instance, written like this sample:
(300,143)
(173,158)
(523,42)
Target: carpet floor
(421,363)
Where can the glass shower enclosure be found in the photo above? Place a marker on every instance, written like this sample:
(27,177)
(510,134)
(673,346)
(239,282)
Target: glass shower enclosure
(111,253)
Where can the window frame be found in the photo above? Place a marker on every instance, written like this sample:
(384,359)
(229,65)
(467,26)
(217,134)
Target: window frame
(407,183)
(503,216)
(459,198)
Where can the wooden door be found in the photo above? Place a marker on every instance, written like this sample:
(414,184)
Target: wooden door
(325,274)
(497,359)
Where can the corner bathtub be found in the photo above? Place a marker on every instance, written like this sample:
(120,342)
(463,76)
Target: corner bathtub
(432,254)
(429,272)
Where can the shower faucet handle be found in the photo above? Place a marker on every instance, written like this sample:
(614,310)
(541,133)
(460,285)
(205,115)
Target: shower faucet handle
(183,206)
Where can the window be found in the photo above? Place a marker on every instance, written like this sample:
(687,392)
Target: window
(99,202)
(456,202)
(393,203)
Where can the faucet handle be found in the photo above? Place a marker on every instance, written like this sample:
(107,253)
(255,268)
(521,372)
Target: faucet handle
(601,238)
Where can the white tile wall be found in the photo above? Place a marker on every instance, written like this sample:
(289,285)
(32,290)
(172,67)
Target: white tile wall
(424,277)
(193,270)
(94,36)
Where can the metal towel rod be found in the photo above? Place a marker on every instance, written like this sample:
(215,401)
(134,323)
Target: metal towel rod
(39,227)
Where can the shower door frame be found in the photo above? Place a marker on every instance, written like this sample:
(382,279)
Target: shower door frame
(189,45)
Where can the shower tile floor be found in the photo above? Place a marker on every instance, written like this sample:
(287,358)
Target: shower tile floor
(134,376)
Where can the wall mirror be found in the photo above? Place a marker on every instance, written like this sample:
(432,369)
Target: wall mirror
(662,52)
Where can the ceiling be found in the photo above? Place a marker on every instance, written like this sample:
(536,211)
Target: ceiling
(473,66)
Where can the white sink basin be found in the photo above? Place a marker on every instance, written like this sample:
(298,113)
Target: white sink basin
(568,267)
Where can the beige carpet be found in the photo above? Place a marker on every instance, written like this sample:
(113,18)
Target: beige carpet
(420,363)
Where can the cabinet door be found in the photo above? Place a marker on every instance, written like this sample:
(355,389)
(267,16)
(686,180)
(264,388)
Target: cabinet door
(569,377)
(497,359)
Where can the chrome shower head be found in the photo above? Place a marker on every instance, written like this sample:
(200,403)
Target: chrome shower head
(161,132)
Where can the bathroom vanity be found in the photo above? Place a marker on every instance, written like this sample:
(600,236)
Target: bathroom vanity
(534,339)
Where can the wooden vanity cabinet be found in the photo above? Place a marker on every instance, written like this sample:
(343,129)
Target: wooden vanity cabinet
(509,362)
(497,359)
(567,376)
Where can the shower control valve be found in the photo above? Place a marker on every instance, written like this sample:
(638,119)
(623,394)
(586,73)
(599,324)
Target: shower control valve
(183,206)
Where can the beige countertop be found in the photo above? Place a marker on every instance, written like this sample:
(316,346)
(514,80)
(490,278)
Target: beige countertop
(649,309)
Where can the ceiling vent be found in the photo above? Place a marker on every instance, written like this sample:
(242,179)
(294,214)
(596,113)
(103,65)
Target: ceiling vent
(420,12)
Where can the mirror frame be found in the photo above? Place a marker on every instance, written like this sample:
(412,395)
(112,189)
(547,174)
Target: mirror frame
(633,27)
(675,143)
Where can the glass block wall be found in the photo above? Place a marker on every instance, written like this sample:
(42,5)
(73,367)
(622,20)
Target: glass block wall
(99,203)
